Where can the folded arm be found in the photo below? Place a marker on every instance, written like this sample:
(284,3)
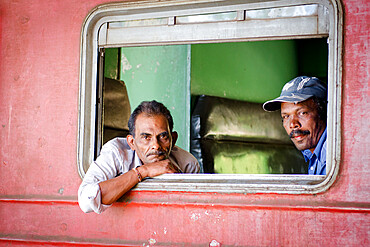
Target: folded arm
(113,189)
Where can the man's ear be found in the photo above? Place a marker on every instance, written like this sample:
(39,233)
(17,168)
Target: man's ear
(174,138)
(130,141)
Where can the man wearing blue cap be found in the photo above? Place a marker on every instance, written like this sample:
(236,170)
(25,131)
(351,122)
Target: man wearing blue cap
(303,109)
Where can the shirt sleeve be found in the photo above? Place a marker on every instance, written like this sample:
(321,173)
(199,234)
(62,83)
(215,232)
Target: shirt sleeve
(192,167)
(187,162)
(106,166)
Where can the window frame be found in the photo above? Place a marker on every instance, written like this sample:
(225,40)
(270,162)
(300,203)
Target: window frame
(94,37)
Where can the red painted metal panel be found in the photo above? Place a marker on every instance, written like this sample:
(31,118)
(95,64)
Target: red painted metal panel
(142,223)
(39,80)
(356,91)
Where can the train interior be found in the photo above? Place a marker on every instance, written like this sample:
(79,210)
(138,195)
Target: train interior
(215,93)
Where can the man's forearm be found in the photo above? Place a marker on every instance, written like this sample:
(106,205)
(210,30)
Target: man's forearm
(113,189)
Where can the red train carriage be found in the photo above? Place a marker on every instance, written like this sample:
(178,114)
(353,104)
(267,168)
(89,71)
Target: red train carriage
(71,72)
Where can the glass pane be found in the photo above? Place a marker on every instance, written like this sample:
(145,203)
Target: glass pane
(228,16)
(296,11)
(139,23)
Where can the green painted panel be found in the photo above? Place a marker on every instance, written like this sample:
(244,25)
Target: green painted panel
(111,63)
(160,73)
(249,71)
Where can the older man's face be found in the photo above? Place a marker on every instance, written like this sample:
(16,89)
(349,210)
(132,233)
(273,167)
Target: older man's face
(153,138)
(302,123)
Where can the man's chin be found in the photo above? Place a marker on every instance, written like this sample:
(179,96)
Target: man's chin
(156,158)
(299,145)
(299,142)
(302,146)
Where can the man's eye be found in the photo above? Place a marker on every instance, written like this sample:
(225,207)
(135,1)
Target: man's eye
(284,118)
(164,136)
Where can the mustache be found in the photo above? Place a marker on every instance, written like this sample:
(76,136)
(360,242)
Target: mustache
(158,153)
(298,132)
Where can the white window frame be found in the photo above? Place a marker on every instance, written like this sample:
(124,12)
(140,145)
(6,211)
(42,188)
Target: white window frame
(97,33)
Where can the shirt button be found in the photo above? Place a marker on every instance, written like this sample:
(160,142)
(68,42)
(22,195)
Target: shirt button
(311,168)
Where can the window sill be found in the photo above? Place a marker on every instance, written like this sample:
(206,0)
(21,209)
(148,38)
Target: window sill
(236,183)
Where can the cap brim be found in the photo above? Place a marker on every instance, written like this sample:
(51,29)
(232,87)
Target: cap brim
(274,105)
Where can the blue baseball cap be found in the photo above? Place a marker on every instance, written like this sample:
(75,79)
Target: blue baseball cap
(297,90)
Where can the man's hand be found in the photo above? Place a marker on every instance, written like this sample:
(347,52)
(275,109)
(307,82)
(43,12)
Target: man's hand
(114,188)
(157,168)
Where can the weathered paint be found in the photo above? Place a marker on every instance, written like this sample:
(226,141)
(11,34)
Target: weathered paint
(39,79)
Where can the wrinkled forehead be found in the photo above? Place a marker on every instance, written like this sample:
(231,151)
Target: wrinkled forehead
(151,124)
(306,104)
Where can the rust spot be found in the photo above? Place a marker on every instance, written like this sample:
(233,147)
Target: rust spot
(41,142)
(63,227)
(139,224)
(24,19)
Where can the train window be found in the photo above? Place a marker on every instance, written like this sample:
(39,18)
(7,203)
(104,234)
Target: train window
(125,46)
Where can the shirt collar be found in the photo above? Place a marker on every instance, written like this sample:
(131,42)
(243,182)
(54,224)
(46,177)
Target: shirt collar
(319,144)
(137,162)
(307,153)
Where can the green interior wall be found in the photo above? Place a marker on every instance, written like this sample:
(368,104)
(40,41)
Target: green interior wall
(160,73)
(255,71)
(248,71)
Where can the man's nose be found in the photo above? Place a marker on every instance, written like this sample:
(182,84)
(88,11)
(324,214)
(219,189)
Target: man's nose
(294,122)
(155,144)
